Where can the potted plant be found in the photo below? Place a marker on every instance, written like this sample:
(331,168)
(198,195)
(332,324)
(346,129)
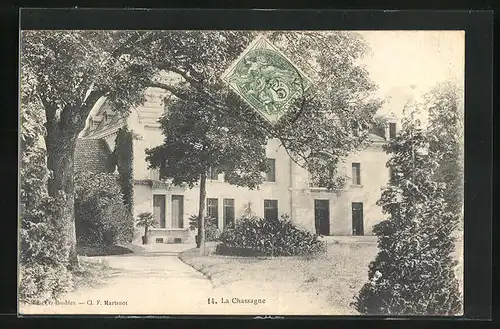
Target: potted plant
(146,220)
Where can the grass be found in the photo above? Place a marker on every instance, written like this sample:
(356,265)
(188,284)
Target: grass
(92,273)
(100,250)
(333,279)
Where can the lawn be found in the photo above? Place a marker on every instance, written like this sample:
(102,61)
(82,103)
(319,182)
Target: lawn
(102,250)
(92,273)
(93,270)
(331,280)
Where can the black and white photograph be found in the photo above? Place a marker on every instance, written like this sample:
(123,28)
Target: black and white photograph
(241,172)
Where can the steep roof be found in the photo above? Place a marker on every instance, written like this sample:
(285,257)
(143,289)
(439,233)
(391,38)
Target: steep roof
(109,119)
(375,138)
(92,155)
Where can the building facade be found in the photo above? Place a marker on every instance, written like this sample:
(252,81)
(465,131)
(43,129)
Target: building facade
(351,210)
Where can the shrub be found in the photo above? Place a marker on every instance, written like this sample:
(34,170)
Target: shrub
(44,275)
(44,249)
(254,236)
(413,273)
(42,283)
(101,216)
(124,157)
(212,232)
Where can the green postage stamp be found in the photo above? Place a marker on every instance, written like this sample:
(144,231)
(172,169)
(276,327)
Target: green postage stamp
(266,79)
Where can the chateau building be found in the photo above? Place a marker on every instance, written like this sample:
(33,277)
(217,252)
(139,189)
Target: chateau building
(351,210)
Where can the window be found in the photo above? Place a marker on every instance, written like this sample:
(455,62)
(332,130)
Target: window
(392,130)
(270,209)
(271,174)
(213,209)
(213,174)
(356,173)
(322,173)
(228,213)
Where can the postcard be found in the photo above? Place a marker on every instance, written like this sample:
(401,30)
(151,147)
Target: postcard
(241,172)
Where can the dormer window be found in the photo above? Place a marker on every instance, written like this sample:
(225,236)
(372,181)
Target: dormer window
(95,121)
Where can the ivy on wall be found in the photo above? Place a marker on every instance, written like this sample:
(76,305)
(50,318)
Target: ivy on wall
(123,154)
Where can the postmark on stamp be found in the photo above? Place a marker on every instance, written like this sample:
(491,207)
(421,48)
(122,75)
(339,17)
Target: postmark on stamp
(268,81)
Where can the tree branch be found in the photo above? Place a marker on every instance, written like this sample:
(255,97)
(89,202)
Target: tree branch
(131,42)
(175,91)
(192,81)
(73,117)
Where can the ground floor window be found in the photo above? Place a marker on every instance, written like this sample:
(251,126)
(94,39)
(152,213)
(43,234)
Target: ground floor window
(229,213)
(213,209)
(270,209)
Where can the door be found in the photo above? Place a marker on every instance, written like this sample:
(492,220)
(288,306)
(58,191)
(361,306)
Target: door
(177,211)
(357,218)
(159,209)
(322,216)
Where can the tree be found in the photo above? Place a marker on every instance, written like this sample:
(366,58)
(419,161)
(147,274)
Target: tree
(69,71)
(198,140)
(72,70)
(43,251)
(446,123)
(413,273)
(123,154)
(332,119)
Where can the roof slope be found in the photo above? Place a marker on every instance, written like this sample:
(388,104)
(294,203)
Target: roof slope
(92,155)
(375,138)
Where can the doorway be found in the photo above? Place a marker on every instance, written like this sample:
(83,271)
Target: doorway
(322,216)
(159,209)
(177,211)
(357,218)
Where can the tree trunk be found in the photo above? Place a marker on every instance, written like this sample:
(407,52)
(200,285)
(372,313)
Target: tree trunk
(63,127)
(201,220)
(60,160)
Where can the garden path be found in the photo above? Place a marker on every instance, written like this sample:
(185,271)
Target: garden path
(155,281)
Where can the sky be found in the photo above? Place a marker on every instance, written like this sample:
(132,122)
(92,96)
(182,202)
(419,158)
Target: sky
(406,64)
